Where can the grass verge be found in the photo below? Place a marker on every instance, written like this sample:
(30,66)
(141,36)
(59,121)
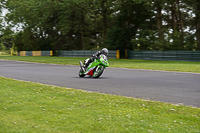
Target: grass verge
(33,107)
(178,66)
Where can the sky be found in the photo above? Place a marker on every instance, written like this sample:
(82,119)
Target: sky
(4,11)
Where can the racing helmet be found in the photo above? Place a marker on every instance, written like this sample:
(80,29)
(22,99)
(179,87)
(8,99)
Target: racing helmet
(105,51)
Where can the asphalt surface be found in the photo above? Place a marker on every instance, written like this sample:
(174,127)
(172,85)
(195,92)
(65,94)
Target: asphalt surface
(171,87)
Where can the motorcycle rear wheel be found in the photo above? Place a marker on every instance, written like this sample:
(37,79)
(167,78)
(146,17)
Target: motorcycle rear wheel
(81,73)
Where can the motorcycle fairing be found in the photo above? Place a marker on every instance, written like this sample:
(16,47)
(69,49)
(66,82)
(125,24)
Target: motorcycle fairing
(90,71)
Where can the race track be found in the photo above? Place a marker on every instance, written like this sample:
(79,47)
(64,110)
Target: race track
(172,87)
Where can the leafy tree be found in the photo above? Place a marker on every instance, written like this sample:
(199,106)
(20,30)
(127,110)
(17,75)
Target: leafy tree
(2,47)
(197,21)
(116,24)
(130,16)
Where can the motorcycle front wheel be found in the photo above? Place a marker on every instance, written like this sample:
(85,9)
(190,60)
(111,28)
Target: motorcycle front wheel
(98,71)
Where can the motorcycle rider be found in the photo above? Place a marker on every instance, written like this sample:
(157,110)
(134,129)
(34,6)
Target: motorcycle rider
(96,56)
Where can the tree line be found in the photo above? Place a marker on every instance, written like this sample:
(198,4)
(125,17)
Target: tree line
(93,24)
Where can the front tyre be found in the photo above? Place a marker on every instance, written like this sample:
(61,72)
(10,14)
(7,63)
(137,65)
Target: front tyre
(81,73)
(98,71)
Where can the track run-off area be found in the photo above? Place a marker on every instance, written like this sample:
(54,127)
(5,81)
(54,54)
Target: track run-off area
(171,87)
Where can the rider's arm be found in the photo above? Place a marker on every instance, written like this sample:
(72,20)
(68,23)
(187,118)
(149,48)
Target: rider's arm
(97,54)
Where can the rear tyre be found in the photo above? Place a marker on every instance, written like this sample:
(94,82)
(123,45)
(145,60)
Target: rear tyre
(98,72)
(81,73)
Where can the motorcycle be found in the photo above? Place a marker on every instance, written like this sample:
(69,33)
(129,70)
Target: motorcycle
(95,68)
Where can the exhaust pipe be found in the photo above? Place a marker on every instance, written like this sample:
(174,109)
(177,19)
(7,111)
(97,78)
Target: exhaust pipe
(81,65)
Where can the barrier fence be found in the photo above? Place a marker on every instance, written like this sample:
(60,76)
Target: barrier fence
(83,53)
(35,53)
(165,55)
(62,53)
(142,55)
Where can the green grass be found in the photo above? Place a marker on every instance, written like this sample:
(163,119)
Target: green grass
(178,66)
(5,53)
(32,107)
(36,108)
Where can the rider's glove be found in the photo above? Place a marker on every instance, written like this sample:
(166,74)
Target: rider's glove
(95,57)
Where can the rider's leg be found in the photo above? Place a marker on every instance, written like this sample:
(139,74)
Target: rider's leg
(89,61)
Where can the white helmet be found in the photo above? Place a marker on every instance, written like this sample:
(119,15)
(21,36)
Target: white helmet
(105,51)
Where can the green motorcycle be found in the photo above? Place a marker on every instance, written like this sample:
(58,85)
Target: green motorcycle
(95,68)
